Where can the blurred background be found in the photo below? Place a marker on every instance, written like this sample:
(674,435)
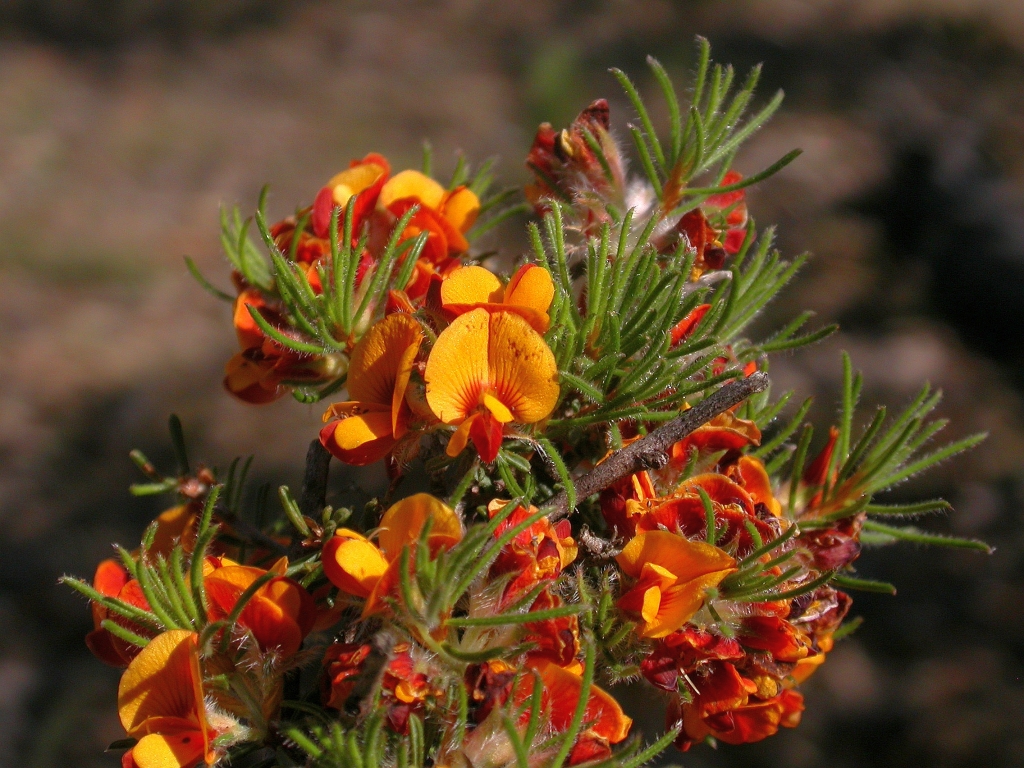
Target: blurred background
(125,124)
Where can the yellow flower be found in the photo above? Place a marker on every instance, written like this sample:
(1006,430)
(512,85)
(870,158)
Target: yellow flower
(487,370)
(366,428)
(672,575)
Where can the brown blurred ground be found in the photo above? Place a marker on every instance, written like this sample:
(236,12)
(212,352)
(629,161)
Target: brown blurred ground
(125,125)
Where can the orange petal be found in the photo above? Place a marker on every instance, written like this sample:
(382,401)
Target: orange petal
(162,681)
(412,184)
(402,523)
(382,359)
(457,442)
(679,604)
(522,371)
(461,208)
(110,577)
(684,559)
(251,382)
(354,180)
(456,369)
(564,689)
(531,286)
(173,750)
(471,285)
(487,432)
(249,334)
(756,482)
(720,489)
(171,527)
(352,563)
(360,439)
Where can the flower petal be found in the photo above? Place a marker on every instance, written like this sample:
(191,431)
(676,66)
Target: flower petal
(679,604)
(486,434)
(160,682)
(521,368)
(360,439)
(471,285)
(457,370)
(412,184)
(352,563)
(403,522)
(461,208)
(382,359)
(564,689)
(531,286)
(457,442)
(756,482)
(173,750)
(683,558)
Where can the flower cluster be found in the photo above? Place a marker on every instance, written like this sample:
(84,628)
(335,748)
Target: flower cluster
(614,495)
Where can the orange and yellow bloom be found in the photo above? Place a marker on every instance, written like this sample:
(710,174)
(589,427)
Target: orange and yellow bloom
(485,371)
(363,180)
(445,215)
(672,576)
(367,427)
(279,615)
(358,567)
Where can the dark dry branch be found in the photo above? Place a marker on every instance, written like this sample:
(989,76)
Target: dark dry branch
(650,452)
(314,482)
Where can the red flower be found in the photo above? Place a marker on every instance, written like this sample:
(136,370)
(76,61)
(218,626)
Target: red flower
(566,167)
(538,553)
(728,706)
(404,686)
(112,580)
(679,654)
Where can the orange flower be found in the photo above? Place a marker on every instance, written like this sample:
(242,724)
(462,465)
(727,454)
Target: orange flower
(528,294)
(404,686)
(363,179)
(728,707)
(681,331)
(774,634)
(683,513)
(367,427)
(173,526)
(562,691)
(279,615)
(361,568)
(260,373)
(679,653)
(725,433)
(485,371)
(672,575)
(750,473)
(445,215)
(538,553)
(160,702)
(557,640)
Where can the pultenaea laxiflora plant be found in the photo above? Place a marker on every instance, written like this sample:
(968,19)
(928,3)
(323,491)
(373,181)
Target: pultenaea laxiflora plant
(615,494)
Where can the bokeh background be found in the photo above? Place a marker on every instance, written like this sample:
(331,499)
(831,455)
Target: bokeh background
(125,124)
